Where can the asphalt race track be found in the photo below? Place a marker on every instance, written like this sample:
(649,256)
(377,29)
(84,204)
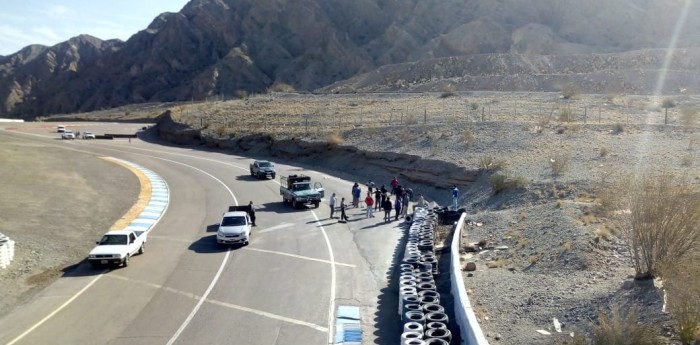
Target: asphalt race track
(281,289)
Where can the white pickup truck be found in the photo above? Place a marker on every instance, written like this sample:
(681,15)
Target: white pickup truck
(116,247)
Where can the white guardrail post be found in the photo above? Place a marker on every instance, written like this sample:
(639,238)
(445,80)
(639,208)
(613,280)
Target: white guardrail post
(7,251)
(468,324)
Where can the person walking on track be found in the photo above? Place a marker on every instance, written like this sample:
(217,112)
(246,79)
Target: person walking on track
(386,205)
(332,203)
(251,213)
(343,216)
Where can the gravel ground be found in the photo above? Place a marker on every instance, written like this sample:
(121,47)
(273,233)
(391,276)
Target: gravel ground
(55,204)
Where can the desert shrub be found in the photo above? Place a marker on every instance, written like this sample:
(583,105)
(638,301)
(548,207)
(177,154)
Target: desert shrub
(241,94)
(663,223)
(570,91)
(559,164)
(448,91)
(334,138)
(221,131)
(618,128)
(603,232)
(603,151)
(623,329)
(468,137)
(475,105)
(501,182)
(565,115)
(668,103)
(490,163)
(282,87)
(411,119)
(543,121)
(682,285)
(435,149)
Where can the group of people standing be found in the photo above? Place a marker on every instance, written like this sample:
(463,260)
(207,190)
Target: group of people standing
(377,199)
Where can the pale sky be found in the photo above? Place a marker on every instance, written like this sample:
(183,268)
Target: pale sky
(47,22)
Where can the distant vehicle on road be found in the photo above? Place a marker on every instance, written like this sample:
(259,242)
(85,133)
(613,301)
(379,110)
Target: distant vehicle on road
(297,190)
(67,135)
(88,135)
(234,227)
(60,128)
(262,169)
(116,247)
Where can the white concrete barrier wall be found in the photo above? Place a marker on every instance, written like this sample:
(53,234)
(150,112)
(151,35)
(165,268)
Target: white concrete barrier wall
(10,120)
(7,251)
(469,327)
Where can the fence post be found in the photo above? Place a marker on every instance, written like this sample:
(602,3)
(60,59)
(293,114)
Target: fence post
(306,131)
(585,114)
(425,116)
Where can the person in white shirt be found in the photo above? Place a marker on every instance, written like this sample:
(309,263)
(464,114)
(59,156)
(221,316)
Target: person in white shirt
(332,203)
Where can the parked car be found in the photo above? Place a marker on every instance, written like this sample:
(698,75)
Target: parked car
(234,228)
(88,135)
(60,128)
(67,135)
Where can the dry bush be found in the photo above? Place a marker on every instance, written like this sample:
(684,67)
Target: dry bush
(448,91)
(559,164)
(501,182)
(689,117)
(542,121)
(567,246)
(489,163)
(241,94)
(411,120)
(496,263)
(611,97)
(282,87)
(682,285)
(435,149)
(565,115)
(623,329)
(475,105)
(334,138)
(604,151)
(468,138)
(570,91)
(663,225)
(404,135)
(603,232)
(618,128)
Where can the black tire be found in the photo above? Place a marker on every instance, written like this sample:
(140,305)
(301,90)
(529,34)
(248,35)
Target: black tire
(252,173)
(273,176)
(294,204)
(126,260)
(316,204)
(141,249)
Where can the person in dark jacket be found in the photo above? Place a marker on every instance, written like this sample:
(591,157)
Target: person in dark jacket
(386,205)
(343,216)
(397,207)
(377,199)
(356,191)
(251,213)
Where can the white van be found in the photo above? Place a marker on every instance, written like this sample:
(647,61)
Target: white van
(60,128)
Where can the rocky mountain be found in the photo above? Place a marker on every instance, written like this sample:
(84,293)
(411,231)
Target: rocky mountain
(218,47)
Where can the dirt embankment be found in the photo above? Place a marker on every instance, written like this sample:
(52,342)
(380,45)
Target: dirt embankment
(411,168)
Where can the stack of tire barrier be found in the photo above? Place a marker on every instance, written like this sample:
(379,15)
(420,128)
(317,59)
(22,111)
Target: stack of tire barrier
(424,319)
(7,251)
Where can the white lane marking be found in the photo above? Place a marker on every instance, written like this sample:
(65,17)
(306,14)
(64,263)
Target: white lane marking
(189,241)
(194,311)
(331,306)
(297,256)
(225,304)
(276,227)
(47,317)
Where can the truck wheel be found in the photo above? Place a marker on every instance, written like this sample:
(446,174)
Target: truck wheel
(294,204)
(273,176)
(252,173)
(141,250)
(316,204)
(126,260)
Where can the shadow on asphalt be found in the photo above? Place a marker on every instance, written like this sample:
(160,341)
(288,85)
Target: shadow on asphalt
(387,319)
(208,245)
(280,207)
(213,227)
(250,178)
(82,269)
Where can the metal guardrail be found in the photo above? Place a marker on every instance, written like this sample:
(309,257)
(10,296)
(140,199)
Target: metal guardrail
(470,330)
(7,251)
